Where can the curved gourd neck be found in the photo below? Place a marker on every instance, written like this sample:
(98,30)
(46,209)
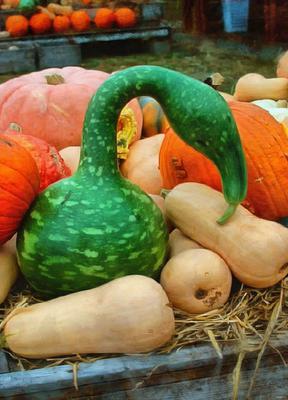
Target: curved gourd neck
(197,113)
(99,142)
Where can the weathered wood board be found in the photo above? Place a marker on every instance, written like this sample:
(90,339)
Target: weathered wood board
(194,372)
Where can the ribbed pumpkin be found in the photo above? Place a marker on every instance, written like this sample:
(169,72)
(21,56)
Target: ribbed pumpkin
(61,23)
(40,23)
(80,21)
(266,148)
(104,18)
(125,17)
(17,25)
(51,165)
(19,184)
(51,104)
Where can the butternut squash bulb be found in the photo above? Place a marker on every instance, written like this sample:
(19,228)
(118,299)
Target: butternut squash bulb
(178,242)
(197,281)
(255,249)
(142,165)
(8,267)
(256,87)
(127,315)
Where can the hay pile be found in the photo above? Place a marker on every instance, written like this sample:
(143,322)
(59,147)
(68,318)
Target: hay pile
(250,318)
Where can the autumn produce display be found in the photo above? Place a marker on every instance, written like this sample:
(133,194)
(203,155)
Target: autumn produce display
(128,198)
(62,19)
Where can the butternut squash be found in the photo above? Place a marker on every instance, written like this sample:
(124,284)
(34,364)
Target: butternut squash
(8,267)
(71,157)
(130,314)
(159,201)
(226,96)
(256,87)
(178,242)
(282,65)
(255,249)
(141,166)
(197,281)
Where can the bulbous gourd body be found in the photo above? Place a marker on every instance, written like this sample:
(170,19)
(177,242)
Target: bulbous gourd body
(78,237)
(96,226)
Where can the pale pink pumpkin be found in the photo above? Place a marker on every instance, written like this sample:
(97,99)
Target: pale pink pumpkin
(51,104)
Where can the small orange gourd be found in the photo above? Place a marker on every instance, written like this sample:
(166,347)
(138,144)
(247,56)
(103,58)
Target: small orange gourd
(80,21)
(61,23)
(265,145)
(104,18)
(40,23)
(125,17)
(17,25)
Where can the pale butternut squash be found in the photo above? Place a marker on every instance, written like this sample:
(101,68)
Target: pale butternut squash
(142,165)
(178,242)
(127,315)
(71,157)
(8,267)
(282,65)
(255,249)
(256,87)
(197,281)
(226,96)
(159,200)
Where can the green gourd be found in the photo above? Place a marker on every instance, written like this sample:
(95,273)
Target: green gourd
(88,229)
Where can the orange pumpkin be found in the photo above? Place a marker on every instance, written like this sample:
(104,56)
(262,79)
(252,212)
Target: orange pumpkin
(61,23)
(40,23)
(50,164)
(80,21)
(104,18)
(266,147)
(125,17)
(56,113)
(19,184)
(17,25)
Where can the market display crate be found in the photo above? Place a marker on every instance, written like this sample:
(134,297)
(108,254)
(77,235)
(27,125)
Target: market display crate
(17,58)
(62,55)
(62,49)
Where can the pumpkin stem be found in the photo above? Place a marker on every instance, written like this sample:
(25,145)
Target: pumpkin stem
(54,79)
(227,214)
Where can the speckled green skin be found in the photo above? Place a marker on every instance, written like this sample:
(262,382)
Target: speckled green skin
(95,226)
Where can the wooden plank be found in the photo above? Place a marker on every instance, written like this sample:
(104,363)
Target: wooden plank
(270,384)
(130,373)
(160,32)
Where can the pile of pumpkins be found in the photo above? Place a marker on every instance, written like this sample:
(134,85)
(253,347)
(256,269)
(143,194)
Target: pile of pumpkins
(60,19)
(130,313)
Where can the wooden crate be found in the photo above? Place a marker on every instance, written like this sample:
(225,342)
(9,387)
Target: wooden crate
(64,55)
(191,373)
(17,58)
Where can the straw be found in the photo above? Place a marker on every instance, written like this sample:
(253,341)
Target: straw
(249,319)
